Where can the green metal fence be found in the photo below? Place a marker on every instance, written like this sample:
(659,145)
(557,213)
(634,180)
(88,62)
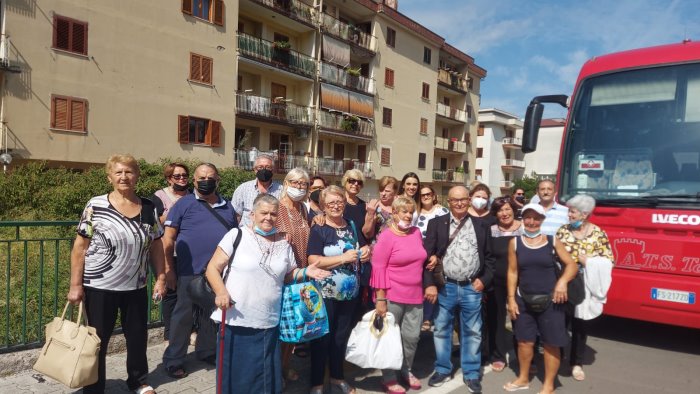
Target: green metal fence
(35,261)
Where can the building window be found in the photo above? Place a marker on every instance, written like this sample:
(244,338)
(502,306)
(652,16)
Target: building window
(389,77)
(469,111)
(465,165)
(427,54)
(209,10)
(425,93)
(385,156)
(391,37)
(470,83)
(386,117)
(479,152)
(192,130)
(201,68)
(480,131)
(478,173)
(69,113)
(423,126)
(421,161)
(70,35)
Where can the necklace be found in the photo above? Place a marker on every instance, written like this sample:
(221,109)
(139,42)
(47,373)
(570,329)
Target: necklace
(267,252)
(291,219)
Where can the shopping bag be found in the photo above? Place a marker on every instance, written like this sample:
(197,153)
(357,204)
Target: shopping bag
(304,316)
(375,342)
(71,352)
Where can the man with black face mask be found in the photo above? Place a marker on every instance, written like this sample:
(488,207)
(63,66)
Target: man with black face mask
(193,229)
(245,193)
(519,199)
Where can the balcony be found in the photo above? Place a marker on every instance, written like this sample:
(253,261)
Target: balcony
(448,176)
(452,80)
(441,143)
(512,143)
(293,9)
(5,64)
(334,167)
(267,109)
(513,164)
(348,33)
(450,145)
(245,158)
(347,125)
(451,113)
(286,59)
(340,77)
(507,184)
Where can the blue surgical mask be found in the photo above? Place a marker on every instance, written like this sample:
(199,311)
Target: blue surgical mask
(260,231)
(576,225)
(531,234)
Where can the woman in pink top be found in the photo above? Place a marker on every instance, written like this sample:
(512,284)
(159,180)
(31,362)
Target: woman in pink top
(397,278)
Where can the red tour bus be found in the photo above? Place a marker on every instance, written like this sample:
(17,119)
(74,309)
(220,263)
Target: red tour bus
(632,141)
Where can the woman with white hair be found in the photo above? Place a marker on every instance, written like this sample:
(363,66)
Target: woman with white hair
(583,240)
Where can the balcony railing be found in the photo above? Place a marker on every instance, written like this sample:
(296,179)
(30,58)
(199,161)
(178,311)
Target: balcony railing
(4,51)
(341,77)
(293,9)
(441,143)
(267,108)
(346,32)
(514,163)
(452,80)
(266,52)
(245,159)
(458,146)
(448,176)
(513,142)
(507,184)
(451,112)
(355,127)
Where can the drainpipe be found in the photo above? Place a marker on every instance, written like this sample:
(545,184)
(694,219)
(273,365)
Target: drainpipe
(315,134)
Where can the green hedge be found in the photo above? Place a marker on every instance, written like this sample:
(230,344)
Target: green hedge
(36,192)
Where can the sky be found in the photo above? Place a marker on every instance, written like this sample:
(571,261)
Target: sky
(536,47)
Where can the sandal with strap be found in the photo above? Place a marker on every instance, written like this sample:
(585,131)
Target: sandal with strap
(393,387)
(578,374)
(176,372)
(145,389)
(413,382)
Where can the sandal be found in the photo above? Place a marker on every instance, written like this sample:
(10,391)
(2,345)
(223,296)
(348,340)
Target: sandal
(344,387)
(176,372)
(413,381)
(512,386)
(393,387)
(145,389)
(498,366)
(578,374)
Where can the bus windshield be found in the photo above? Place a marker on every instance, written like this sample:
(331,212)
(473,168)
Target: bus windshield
(634,138)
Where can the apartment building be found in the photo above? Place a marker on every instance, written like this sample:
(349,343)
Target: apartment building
(499,157)
(85,79)
(543,162)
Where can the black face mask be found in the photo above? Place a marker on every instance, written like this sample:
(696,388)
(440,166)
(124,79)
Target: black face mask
(206,187)
(264,175)
(315,195)
(520,199)
(179,188)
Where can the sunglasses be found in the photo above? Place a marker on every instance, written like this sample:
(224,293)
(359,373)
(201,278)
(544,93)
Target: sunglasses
(353,181)
(179,176)
(426,195)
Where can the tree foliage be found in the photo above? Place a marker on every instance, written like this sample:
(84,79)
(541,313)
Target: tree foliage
(528,184)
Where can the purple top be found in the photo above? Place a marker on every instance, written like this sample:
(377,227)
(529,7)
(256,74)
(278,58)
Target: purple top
(397,266)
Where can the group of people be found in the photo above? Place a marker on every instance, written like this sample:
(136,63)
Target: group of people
(434,268)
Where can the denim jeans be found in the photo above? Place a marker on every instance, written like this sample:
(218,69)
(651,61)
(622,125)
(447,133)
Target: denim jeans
(452,298)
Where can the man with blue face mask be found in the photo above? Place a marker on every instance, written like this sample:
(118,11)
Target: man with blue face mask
(194,227)
(245,193)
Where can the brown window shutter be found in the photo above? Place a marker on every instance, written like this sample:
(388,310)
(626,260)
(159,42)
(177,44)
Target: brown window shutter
(60,113)
(62,33)
(77,115)
(195,67)
(207,68)
(183,134)
(187,7)
(386,156)
(79,38)
(214,128)
(219,12)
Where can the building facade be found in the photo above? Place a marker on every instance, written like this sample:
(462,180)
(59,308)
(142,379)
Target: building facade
(499,157)
(543,162)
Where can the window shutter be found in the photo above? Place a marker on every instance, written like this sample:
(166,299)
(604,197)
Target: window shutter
(195,67)
(62,34)
(207,66)
(386,156)
(219,12)
(79,38)
(421,160)
(187,7)
(60,113)
(215,128)
(183,135)
(77,115)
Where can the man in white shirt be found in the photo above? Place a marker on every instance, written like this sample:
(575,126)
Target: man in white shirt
(245,193)
(556,215)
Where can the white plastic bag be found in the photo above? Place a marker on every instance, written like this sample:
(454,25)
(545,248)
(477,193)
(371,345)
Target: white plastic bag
(370,347)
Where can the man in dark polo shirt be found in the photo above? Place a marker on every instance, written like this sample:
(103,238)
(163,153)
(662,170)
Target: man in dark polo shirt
(193,230)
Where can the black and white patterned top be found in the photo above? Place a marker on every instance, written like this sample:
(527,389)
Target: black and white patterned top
(117,254)
(422,219)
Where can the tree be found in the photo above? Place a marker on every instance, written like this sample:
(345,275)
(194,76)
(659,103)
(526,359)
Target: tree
(528,184)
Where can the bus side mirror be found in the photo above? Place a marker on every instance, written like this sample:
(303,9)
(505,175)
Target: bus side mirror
(531,128)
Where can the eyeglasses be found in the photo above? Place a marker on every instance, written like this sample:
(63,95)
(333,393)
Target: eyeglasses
(179,176)
(335,204)
(299,184)
(314,188)
(426,195)
(519,194)
(458,200)
(259,168)
(353,181)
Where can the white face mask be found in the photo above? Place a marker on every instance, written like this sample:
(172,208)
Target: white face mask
(296,194)
(479,203)
(403,225)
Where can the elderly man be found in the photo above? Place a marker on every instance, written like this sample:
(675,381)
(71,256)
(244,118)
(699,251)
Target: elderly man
(193,229)
(245,193)
(464,248)
(555,215)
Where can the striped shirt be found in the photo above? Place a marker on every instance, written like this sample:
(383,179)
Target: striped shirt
(555,217)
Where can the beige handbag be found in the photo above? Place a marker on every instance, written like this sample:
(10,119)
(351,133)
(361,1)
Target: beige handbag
(71,352)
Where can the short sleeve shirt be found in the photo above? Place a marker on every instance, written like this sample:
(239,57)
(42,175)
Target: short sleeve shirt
(330,241)
(245,194)
(118,250)
(596,244)
(555,217)
(423,218)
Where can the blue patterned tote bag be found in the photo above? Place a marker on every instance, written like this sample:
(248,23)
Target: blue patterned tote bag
(304,315)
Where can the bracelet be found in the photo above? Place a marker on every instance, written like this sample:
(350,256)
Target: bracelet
(304,274)
(381,299)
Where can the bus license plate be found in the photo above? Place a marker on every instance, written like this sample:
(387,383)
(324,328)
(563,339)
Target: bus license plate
(682,297)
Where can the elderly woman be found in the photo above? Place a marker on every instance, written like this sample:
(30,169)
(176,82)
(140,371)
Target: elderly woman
(252,298)
(584,240)
(293,221)
(116,232)
(335,246)
(397,278)
(506,228)
(536,297)
(479,196)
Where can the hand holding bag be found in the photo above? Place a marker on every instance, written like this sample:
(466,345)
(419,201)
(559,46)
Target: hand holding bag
(200,291)
(304,316)
(71,352)
(375,343)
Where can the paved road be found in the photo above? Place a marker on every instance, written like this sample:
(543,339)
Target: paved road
(626,356)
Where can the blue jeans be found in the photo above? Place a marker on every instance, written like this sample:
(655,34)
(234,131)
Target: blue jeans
(451,298)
